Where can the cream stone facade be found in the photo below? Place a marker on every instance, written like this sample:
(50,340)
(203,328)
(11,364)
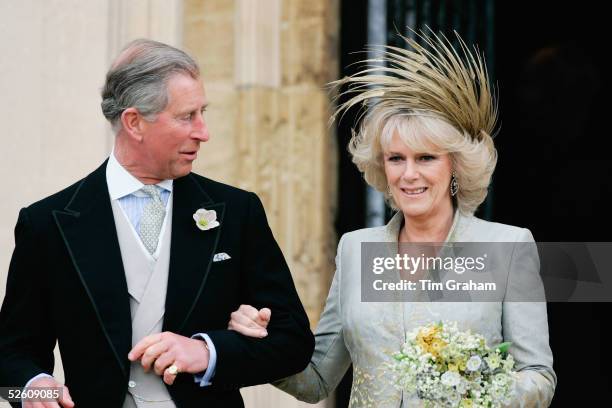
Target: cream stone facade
(264,63)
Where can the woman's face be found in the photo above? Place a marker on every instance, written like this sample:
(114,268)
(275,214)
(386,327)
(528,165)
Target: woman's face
(419,182)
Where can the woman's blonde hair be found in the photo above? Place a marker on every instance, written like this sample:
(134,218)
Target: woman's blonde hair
(436,98)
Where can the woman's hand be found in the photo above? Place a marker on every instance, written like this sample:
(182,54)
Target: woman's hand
(249,321)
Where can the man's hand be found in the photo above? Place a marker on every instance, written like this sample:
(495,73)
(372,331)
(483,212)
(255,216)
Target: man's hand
(163,350)
(64,401)
(249,321)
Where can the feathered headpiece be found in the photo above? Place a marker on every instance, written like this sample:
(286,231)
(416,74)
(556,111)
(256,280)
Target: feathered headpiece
(430,78)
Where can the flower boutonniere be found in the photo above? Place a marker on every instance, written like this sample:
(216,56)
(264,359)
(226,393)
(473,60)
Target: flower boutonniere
(205,219)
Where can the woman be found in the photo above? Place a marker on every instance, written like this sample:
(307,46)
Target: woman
(425,142)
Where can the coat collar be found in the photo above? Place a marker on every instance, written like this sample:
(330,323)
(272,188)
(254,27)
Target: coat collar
(88,229)
(390,232)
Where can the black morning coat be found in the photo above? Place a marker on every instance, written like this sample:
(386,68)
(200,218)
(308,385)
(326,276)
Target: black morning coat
(66,283)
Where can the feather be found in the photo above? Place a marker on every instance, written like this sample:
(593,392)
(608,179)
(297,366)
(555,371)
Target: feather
(433,78)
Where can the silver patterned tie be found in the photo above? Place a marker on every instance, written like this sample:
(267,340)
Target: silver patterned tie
(152,218)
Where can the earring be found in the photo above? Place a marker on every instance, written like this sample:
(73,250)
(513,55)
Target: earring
(454,186)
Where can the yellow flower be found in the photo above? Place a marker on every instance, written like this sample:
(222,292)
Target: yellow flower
(438,344)
(428,339)
(428,331)
(422,343)
(435,347)
(453,367)
(462,365)
(466,403)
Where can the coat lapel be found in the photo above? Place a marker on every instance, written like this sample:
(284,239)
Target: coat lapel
(192,251)
(88,229)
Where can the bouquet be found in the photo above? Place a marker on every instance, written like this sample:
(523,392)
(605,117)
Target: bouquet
(447,367)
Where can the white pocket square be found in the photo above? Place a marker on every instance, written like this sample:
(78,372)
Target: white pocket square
(221,256)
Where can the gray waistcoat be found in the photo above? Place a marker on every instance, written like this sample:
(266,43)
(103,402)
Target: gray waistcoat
(147,281)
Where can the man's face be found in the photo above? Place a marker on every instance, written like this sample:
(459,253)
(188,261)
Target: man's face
(171,142)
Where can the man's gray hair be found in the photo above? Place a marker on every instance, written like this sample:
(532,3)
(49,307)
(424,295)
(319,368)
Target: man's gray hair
(138,77)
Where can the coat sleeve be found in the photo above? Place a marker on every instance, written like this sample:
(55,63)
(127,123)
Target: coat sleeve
(27,337)
(525,324)
(331,358)
(267,282)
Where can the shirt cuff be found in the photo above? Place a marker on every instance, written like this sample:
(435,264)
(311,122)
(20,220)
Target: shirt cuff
(204,379)
(36,377)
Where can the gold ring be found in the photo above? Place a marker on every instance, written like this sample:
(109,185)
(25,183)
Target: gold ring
(173,370)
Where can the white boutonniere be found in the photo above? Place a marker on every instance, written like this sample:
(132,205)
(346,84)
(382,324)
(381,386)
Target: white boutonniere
(205,219)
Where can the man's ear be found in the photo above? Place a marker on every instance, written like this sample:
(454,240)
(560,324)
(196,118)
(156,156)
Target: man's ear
(132,122)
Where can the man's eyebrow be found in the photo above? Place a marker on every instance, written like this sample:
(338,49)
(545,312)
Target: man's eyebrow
(189,110)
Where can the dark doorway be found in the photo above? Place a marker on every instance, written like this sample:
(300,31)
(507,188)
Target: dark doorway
(553,172)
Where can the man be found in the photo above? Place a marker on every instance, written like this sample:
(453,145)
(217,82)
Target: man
(135,269)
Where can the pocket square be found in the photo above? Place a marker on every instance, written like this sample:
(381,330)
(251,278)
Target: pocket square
(221,256)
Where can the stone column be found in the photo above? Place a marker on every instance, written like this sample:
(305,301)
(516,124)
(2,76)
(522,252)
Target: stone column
(265,64)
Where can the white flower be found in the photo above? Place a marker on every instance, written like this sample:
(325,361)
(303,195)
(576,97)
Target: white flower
(450,378)
(205,219)
(462,387)
(454,398)
(493,360)
(508,363)
(473,363)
